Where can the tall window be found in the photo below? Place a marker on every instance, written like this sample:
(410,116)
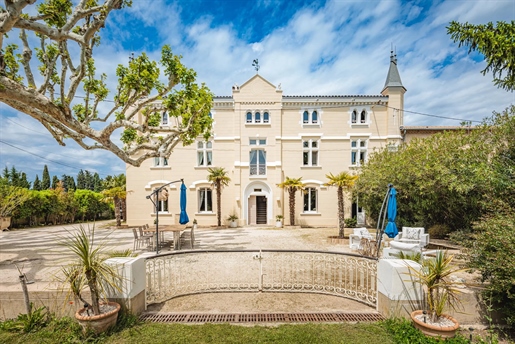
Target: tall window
(310,153)
(257,162)
(162,201)
(249,117)
(363,116)
(205,200)
(266,117)
(310,200)
(257,117)
(310,117)
(160,162)
(358,152)
(204,153)
(354,116)
(164,118)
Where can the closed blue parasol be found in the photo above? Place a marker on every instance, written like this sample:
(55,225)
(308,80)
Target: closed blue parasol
(183,219)
(391,227)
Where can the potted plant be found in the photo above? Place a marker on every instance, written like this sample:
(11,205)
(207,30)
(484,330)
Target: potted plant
(233,220)
(194,224)
(279,221)
(89,270)
(439,292)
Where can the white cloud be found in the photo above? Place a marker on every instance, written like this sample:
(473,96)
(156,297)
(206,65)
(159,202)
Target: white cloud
(340,48)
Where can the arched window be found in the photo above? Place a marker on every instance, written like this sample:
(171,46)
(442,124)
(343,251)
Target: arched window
(305,117)
(354,116)
(249,117)
(266,117)
(257,117)
(164,118)
(363,117)
(314,117)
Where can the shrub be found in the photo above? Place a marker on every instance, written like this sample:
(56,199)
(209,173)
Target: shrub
(351,222)
(439,231)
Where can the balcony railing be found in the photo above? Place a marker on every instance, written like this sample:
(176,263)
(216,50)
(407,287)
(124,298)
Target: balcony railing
(257,169)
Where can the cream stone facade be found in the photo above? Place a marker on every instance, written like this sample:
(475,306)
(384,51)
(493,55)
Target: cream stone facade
(260,136)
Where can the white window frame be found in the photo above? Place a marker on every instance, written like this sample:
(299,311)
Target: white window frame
(204,151)
(309,193)
(161,161)
(161,204)
(309,150)
(362,116)
(259,164)
(206,191)
(311,120)
(165,119)
(361,147)
(253,117)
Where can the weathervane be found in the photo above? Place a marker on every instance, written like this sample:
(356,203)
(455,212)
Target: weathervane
(255,64)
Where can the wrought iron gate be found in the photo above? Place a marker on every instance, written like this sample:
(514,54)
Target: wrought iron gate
(191,272)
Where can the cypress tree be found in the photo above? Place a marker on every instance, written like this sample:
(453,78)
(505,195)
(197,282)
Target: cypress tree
(55,181)
(45,181)
(24,183)
(37,184)
(81,181)
(97,183)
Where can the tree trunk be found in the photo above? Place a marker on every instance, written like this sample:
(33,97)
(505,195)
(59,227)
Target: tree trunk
(219,203)
(117,214)
(341,213)
(94,294)
(292,207)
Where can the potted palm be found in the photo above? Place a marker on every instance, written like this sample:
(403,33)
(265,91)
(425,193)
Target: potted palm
(233,220)
(89,270)
(439,292)
(279,221)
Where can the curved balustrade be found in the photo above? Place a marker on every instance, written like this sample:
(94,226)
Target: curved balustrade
(182,273)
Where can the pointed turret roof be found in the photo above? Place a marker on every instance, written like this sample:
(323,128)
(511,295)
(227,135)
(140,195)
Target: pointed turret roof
(393,79)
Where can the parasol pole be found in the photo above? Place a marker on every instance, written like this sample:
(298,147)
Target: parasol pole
(156,206)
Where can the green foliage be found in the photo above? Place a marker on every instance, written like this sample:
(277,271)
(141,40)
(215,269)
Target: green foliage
(11,64)
(495,42)
(351,222)
(11,197)
(55,11)
(26,323)
(219,179)
(45,181)
(89,269)
(493,253)
(121,253)
(292,185)
(439,231)
(440,290)
(449,178)
(403,331)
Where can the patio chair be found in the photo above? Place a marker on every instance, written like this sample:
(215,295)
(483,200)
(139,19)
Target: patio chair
(355,238)
(138,240)
(149,236)
(413,235)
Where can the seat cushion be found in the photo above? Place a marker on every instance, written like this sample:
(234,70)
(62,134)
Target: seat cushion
(401,246)
(411,233)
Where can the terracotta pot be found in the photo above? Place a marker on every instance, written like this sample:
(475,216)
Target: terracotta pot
(98,323)
(435,330)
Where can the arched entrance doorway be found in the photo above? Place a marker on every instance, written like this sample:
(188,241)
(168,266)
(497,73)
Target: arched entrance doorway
(258,203)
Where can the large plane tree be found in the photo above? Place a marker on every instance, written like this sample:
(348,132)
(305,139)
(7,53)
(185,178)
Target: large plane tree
(47,71)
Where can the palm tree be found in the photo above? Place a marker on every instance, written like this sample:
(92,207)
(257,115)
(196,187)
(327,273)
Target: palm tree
(115,190)
(218,177)
(292,185)
(344,181)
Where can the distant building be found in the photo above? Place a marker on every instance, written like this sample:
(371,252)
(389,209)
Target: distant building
(260,137)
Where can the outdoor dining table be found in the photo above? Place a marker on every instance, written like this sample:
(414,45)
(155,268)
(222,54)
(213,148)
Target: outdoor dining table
(162,229)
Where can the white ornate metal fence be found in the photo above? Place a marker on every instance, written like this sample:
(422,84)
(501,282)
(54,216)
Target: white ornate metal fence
(191,272)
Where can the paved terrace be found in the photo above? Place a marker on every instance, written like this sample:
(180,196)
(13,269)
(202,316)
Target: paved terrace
(37,253)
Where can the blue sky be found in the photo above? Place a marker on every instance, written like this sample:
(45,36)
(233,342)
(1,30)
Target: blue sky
(331,47)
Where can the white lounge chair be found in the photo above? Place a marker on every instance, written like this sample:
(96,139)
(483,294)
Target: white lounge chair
(413,235)
(355,238)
